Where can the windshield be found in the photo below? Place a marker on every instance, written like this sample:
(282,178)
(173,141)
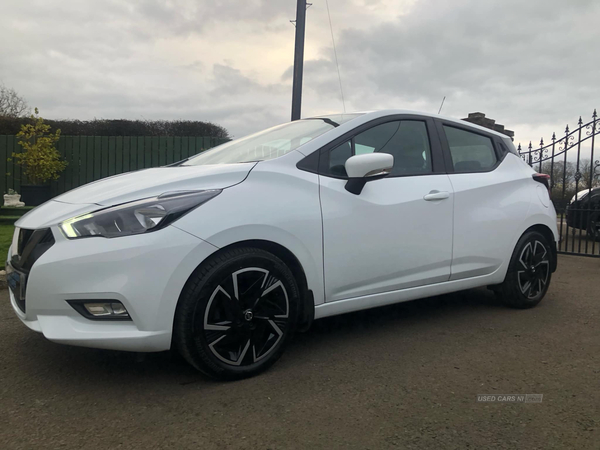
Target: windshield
(270,143)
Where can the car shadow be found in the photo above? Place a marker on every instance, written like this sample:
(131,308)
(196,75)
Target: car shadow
(374,318)
(105,368)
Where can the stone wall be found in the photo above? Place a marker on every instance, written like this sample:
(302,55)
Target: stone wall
(478,118)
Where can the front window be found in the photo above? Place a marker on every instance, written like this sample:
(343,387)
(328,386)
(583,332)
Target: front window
(407,141)
(270,143)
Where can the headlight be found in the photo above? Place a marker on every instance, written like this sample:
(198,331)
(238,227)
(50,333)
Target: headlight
(141,216)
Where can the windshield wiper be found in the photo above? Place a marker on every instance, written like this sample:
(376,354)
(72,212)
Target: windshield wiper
(178,163)
(326,120)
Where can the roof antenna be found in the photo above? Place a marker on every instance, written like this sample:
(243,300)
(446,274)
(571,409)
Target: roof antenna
(440,110)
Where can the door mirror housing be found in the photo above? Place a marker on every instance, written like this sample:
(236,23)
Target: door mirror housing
(367,167)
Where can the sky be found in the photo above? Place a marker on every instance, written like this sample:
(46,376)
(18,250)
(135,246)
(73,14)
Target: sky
(532,65)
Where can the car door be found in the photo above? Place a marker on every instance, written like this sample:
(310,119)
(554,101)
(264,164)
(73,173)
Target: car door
(397,233)
(491,198)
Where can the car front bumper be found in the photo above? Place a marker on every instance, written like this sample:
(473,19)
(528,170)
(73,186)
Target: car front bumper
(146,273)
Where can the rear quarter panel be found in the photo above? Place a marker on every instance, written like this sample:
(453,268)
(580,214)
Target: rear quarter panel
(491,211)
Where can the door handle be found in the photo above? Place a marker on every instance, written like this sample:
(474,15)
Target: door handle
(436,195)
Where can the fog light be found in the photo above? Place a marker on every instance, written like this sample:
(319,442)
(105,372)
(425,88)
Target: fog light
(108,309)
(100,310)
(118,309)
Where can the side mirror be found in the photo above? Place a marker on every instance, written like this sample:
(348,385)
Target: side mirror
(367,167)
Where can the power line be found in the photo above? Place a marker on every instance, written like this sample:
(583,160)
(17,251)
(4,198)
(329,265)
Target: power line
(335,55)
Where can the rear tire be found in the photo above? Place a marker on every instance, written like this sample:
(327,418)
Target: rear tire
(529,272)
(237,313)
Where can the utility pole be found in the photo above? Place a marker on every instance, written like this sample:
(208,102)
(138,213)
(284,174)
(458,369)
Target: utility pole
(298,59)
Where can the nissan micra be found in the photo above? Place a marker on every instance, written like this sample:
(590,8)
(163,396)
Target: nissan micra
(225,255)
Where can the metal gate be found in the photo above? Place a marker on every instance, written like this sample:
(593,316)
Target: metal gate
(575,184)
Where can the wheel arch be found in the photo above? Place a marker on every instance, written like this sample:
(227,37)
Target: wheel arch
(545,231)
(307,312)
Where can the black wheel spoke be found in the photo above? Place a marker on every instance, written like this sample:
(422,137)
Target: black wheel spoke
(224,337)
(525,255)
(531,290)
(232,309)
(259,339)
(252,291)
(226,306)
(272,302)
(231,347)
(524,279)
(268,307)
(247,285)
(531,257)
(539,254)
(525,276)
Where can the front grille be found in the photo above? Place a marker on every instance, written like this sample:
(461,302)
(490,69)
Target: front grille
(16,283)
(22,239)
(31,244)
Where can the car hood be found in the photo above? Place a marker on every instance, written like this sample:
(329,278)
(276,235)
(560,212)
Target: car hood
(134,186)
(580,195)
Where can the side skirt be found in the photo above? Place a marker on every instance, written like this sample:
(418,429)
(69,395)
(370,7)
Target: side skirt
(403,295)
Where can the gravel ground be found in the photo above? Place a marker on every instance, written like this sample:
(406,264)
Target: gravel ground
(404,376)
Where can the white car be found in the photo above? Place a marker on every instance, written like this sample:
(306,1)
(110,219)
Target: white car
(224,255)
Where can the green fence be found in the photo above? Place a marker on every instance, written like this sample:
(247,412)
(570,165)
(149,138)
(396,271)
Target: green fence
(93,157)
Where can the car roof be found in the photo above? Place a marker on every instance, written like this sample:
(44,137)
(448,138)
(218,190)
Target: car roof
(587,190)
(390,112)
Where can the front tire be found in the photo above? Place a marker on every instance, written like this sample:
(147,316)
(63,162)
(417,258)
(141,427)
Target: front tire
(237,313)
(529,272)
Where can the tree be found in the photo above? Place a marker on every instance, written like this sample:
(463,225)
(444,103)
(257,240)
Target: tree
(11,103)
(564,179)
(560,173)
(40,160)
(122,127)
(588,179)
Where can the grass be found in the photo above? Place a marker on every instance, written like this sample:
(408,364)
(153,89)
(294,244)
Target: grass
(6,235)
(8,216)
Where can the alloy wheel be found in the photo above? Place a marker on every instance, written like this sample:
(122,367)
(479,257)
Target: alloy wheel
(246,316)
(535,269)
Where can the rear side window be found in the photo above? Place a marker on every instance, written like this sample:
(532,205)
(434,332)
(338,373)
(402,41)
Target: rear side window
(508,147)
(470,152)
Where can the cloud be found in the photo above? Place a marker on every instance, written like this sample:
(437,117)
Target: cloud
(526,64)
(530,65)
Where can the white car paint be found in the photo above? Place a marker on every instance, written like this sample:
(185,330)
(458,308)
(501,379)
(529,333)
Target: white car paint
(374,242)
(149,182)
(400,239)
(487,209)
(369,165)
